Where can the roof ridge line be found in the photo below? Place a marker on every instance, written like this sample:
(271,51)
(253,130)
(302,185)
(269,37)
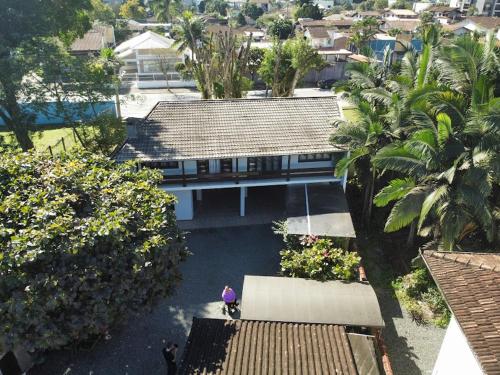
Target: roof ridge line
(453,257)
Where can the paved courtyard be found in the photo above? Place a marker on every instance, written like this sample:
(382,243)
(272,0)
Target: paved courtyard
(223,256)
(220,257)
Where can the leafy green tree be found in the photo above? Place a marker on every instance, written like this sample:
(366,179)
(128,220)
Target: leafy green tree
(363,32)
(84,243)
(240,19)
(366,5)
(219,64)
(217,6)
(286,64)
(402,4)
(102,12)
(252,10)
(33,21)
(101,134)
(164,9)
(202,6)
(394,32)
(132,9)
(381,4)
(309,11)
(280,28)
(255,60)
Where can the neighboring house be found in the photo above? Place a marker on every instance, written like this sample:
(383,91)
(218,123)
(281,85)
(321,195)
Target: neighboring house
(367,14)
(94,40)
(149,61)
(444,14)
(324,4)
(421,6)
(470,285)
(292,326)
(476,24)
(398,14)
(408,27)
(396,44)
(239,143)
(481,7)
(339,24)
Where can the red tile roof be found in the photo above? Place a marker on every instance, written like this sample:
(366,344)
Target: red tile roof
(470,283)
(217,346)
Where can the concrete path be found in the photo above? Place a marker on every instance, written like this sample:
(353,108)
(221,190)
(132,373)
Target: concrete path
(221,257)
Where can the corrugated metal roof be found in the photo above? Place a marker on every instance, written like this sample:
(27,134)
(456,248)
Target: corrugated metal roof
(286,299)
(470,283)
(221,347)
(215,129)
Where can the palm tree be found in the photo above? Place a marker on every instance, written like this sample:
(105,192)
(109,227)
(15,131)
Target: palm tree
(446,185)
(163,9)
(191,36)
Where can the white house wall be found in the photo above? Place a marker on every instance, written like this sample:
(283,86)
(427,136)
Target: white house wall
(455,356)
(184,207)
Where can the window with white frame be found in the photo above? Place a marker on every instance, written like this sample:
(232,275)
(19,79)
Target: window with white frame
(304,158)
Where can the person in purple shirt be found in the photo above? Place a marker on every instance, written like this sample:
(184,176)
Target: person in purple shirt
(229,298)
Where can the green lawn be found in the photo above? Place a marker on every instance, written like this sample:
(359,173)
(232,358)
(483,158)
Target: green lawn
(47,137)
(350,114)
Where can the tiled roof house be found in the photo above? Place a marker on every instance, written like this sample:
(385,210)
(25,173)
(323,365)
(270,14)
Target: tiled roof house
(470,284)
(238,143)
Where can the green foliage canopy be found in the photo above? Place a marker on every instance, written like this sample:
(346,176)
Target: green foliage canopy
(280,28)
(26,29)
(309,11)
(84,242)
(320,261)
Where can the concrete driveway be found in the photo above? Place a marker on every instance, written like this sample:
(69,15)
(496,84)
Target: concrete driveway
(220,257)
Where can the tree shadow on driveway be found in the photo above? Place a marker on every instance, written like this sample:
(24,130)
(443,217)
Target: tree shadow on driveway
(220,257)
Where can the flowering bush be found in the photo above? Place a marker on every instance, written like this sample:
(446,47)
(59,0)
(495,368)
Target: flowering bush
(319,260)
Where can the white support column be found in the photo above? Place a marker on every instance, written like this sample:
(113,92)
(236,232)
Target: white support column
(344,182)
(199,193)
(242,201)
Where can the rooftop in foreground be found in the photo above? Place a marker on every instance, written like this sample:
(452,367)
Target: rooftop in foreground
(221,347)
(470,284)
(216,129)
(286,299)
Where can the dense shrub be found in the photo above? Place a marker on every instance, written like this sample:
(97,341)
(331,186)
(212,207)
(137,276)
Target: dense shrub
(418,293)
(320,260)
(83,243)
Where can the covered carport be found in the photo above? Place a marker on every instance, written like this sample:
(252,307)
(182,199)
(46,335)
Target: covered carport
(287,299)
(318,209)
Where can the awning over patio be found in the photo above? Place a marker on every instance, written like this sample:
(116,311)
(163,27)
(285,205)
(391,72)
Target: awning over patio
(318,209)
(284,299)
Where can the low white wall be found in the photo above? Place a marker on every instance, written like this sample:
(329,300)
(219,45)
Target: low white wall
(163,84)
(455,356)
(184,205)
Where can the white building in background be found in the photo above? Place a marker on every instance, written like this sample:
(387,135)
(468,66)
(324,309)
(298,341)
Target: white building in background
(482,7)
(149,62)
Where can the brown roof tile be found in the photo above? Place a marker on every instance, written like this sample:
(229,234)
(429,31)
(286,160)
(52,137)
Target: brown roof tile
(318,32)
(491,23)
(217,346)
(216,129)
(470,283)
